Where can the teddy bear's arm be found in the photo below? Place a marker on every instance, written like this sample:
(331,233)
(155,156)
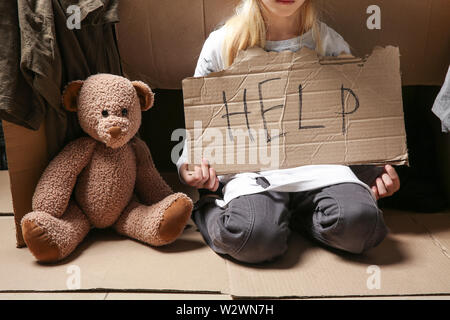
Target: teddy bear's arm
(150,186)
(56,184)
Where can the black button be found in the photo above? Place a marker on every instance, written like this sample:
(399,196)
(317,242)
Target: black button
(263,182)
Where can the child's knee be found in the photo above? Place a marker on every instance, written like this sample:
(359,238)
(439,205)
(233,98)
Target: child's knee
(359,228)
(248,235)
(263,245)
(369,219)
(354,224)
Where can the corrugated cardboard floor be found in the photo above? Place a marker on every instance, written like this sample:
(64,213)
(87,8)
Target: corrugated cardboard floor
(414,261)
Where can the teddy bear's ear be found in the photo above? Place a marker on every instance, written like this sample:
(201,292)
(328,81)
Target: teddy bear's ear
(70,95)
(145,95)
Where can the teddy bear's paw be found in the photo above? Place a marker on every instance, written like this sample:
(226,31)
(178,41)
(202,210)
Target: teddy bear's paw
(175,219)
(39,242)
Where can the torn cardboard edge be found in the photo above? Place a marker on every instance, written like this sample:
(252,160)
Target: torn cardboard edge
(6,207)
(333,110)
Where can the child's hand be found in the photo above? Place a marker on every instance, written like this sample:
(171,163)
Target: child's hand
(203,177)
(387,183)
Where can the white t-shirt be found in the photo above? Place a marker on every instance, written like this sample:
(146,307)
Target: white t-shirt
(210,59)
(297,179)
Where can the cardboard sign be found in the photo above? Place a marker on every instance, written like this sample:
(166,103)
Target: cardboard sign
(281,110)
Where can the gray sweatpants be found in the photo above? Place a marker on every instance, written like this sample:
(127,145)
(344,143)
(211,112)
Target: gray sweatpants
(255,228)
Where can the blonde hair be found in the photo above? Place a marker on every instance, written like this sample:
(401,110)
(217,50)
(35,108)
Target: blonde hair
(247,28)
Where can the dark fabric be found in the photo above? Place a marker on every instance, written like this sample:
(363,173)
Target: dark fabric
(45,55)
(367,173)
(255,228)
(252,228)
(441,107)
(16,96)
(218,192)
(342,216)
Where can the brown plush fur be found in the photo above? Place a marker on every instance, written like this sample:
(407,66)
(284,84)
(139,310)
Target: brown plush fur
(105,180)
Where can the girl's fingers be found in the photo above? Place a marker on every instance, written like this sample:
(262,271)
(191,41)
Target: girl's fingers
(388,183)
(382,192)
(205,171)
(198,177)
(390,170)
(188,176)
(201,177)
(375,192)
(212,173)
(212,179)
(216,185)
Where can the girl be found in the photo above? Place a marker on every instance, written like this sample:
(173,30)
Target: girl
(250,216)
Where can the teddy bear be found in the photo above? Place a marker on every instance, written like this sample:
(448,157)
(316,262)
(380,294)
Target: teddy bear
(105,179)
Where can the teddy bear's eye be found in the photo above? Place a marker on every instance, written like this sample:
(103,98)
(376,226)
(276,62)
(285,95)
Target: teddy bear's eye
(105,113)
(124,112)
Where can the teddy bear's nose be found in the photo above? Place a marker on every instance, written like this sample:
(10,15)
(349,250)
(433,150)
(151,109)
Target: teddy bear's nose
(114,131)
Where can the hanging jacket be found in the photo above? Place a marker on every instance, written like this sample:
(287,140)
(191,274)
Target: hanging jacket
(441,107)
(43,55)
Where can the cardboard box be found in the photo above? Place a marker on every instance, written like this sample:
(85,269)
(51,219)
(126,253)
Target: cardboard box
(6,207)
(163,39)
(282,110)
(27,155)
(418,27)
